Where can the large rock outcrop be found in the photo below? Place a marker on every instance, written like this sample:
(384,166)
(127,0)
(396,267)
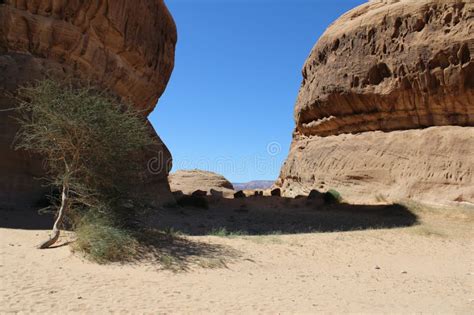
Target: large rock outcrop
(189,181)
(124,46)
(381,68)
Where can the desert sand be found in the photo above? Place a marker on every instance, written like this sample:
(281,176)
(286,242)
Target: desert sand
(420,260)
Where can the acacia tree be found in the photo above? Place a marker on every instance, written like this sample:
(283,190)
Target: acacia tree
(91,146)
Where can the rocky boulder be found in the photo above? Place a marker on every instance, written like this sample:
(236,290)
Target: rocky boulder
(126,47)
(388,66)
(191,181)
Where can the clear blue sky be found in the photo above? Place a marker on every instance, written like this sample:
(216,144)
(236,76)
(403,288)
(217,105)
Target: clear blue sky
(237,73)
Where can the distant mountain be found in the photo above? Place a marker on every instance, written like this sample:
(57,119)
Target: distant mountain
(256,184)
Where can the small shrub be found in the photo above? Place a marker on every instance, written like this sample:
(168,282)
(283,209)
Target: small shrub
(169,262)
(104,243)
(332,197)
(223,232)
(171,232)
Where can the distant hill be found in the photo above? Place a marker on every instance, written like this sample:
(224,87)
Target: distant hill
(256,184)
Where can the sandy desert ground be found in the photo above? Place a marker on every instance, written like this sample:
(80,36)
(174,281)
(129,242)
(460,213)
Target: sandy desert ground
(357,259)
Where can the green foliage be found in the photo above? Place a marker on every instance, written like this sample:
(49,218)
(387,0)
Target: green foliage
(87,137)
(171,232)
(92,145)
(332,197)
(223,232)
(104,243)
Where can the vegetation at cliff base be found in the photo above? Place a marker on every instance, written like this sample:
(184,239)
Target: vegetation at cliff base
(332,197)
(92,147)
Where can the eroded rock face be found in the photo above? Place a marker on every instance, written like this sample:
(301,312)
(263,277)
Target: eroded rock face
(189,181)
(124,46)
(432,165)
(391,66)
(388,66)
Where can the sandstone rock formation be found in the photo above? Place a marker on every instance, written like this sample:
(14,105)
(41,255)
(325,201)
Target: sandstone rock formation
(124,46)
(388,66)
(391,66)
(433,164)
(189,181)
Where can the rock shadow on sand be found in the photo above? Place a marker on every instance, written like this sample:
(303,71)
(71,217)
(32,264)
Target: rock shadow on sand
(269,215)
(27,219)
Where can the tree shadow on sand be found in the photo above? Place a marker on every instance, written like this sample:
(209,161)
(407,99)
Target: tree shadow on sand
(262,215)
(176,253)
(165,249)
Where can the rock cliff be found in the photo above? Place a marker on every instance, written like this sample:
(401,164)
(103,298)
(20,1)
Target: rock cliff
(384,67)
(126,47)
(391,66)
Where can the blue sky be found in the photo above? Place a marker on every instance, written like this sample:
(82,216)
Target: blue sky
(228,107)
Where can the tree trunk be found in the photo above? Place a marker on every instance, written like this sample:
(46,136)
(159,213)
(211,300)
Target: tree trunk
(56,231)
